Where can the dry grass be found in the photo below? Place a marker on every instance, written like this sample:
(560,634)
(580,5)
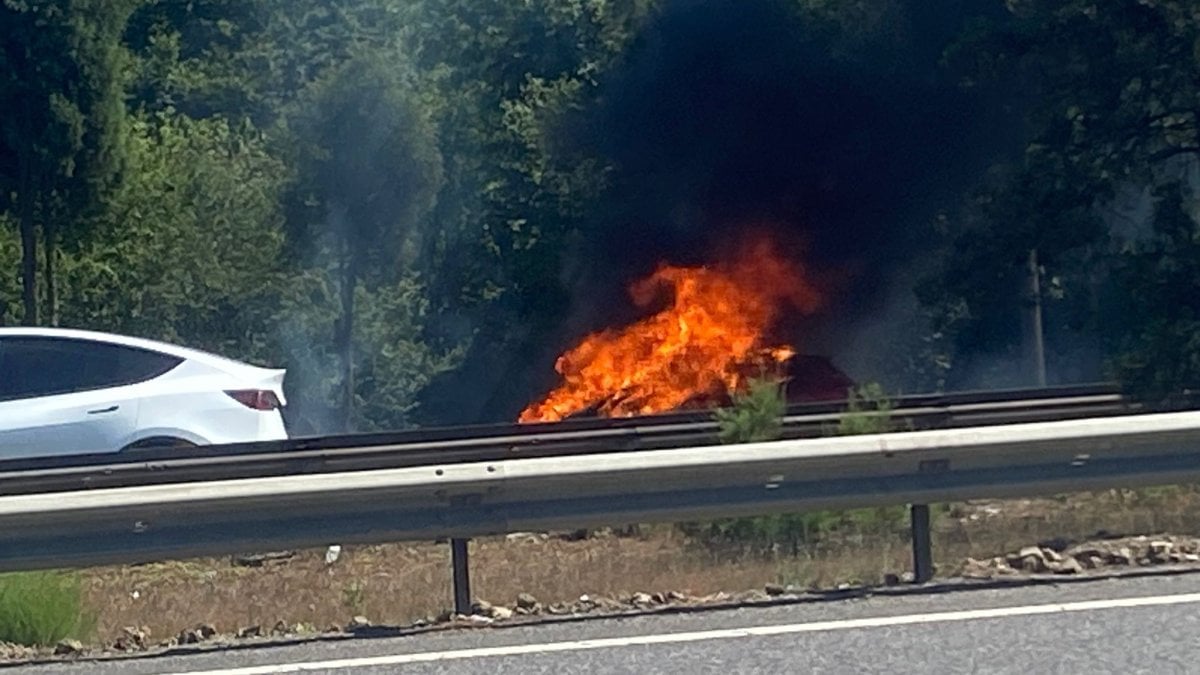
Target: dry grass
(400,583)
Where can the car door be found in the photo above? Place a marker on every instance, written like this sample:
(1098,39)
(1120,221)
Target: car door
(64,396)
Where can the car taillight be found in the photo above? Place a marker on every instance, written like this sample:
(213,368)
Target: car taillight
(258,399)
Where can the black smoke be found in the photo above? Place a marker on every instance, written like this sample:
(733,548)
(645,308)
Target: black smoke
(728,115)
(734,114)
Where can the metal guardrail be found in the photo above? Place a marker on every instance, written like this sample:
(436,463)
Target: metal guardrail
(331,455)
(476,498)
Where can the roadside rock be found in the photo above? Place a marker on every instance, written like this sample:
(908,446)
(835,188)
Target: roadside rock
(774,590)
(1122,556)
(977,569)
(485,609)
(132,638)
(13,652)
(358,621)
(527,602)
(527,537)
(641,599)
(1112,551)
(198,634)
(1160,551)
(1029,559)
(250,632)
(500,613)
(1067,566)
(68,647)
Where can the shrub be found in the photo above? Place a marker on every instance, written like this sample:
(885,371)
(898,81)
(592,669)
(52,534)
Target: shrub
(41,608)
(868,411)
(756,414)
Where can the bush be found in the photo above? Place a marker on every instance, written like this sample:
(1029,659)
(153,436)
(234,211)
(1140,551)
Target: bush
(41,608)
(756,414)
(868,411)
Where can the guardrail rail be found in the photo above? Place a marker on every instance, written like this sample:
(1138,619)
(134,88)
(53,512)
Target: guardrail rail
(441,484)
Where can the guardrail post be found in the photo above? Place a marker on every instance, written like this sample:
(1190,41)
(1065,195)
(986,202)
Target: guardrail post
(462,576)
(922,543)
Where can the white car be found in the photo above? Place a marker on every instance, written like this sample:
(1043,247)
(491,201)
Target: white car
(71,391)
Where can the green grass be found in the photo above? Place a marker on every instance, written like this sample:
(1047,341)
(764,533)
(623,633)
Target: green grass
(41,608)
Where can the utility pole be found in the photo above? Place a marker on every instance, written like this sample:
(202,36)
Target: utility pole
(1036,347)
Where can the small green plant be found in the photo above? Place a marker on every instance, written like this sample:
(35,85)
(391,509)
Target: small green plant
(756,414)
(868,411)
(41,608)
(354,596)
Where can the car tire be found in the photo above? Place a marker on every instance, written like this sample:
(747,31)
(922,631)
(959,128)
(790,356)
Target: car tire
(158,443)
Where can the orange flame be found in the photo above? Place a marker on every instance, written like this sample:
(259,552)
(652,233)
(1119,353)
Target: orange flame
(703,344)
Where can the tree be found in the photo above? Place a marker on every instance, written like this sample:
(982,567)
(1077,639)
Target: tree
(1108,93)
(189,248)
(198,57)
(63,128)
(369,171)
(1152,305)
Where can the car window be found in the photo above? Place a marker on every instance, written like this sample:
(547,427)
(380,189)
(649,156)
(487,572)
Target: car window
(37,366)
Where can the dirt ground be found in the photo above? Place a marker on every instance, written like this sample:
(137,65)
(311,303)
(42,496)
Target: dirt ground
(399,583)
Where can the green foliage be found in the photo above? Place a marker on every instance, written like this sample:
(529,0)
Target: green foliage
(868,411)
(1156,347)
(41,608)
(62,132)
(190,247)
(394,364)
(354,595)
(10,277)
(756,414)
(1108,121)
(367,160)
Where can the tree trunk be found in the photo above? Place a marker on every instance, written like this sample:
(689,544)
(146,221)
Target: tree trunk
(28,243)
(345,337)
(50,244)
(1035,340)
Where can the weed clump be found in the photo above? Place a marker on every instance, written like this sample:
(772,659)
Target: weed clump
(41,608)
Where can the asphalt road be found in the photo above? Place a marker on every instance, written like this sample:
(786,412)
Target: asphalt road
(1147,625)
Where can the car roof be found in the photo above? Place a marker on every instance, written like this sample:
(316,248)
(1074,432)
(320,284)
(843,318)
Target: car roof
(213,360)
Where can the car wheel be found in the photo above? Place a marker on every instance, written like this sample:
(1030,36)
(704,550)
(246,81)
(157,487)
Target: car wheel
(158,443)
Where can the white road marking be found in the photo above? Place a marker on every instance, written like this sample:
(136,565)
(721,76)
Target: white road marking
(726,634)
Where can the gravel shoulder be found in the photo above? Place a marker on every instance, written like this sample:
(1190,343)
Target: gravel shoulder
(1142,634)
